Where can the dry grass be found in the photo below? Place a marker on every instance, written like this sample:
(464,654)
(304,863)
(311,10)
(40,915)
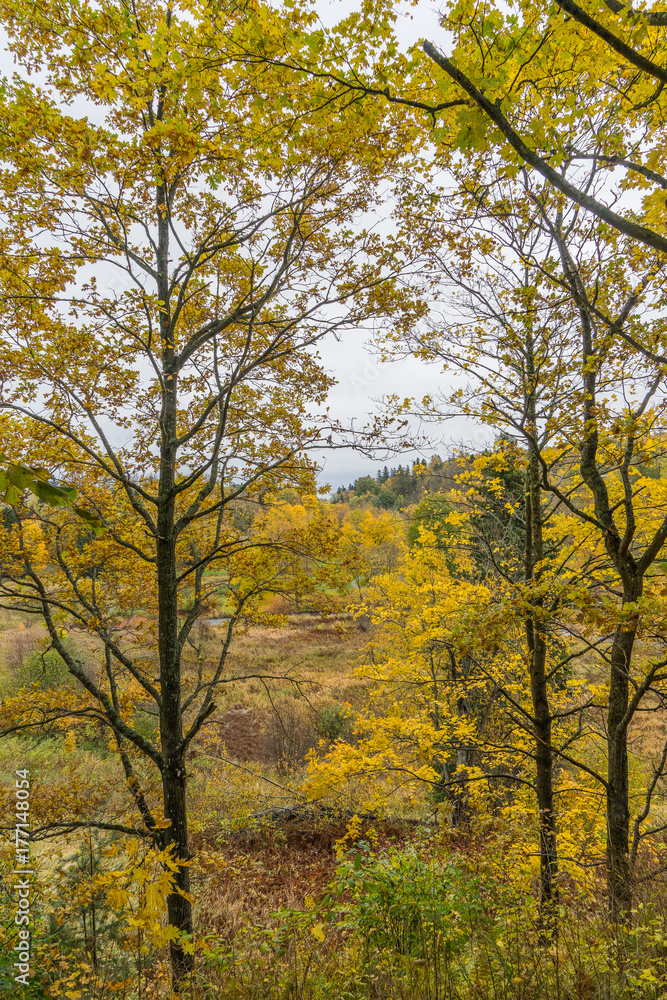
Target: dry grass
(277,684)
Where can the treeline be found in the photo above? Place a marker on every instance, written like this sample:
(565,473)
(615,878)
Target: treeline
(396,488)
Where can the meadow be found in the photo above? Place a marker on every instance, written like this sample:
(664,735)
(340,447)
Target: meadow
(297,897)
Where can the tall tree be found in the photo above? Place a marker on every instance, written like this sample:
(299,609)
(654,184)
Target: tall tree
(545,319)
(177,234)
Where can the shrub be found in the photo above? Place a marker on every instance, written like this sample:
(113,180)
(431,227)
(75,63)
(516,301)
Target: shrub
(334,722)
(47,669)
(408,904)
(289,737)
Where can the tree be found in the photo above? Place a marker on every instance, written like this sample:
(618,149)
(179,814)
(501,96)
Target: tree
(303,541)
(632,550)
(177,235)
(450,708)
(412,731)
(548,322)
(366,485)
(432,513)
(370,543)
(503,334)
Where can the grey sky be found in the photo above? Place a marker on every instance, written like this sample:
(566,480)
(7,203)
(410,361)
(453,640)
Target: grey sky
(361,377)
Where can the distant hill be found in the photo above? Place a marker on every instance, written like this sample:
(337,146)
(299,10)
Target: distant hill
(393,489)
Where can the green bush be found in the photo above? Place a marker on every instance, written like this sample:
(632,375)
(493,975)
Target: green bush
(334,722)
(408,904)
(47,669)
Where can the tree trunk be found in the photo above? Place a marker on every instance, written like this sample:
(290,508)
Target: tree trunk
(179,908)
(543,769)
(631,572)
(537,649)
(619,875)
(171,736)
(459,794)
(619,880)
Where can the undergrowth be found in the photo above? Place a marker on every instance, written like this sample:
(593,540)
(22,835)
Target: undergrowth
(418,919)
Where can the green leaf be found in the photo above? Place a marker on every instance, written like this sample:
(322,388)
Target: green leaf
(54,496)
(12,496)
(20,476)
(15,478)
(96,524)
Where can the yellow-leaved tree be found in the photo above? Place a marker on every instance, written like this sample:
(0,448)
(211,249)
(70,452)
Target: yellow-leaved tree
(177,233)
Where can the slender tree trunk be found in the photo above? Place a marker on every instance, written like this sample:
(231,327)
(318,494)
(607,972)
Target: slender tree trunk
(93,919)
(171,724)
(537,648)
(179,908)
(544,769)
(460,790)
(619,874)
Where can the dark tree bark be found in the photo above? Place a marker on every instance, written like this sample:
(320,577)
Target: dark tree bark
(631,570)
(179,908)
(537,648)
(544,758)
(460,785)
(619,873)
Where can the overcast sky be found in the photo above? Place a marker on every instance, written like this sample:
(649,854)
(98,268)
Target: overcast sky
(361,377)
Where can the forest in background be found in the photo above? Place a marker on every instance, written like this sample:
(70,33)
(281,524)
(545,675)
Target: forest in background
(407,740)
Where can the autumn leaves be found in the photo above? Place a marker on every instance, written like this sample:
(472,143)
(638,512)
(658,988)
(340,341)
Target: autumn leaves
(225,166)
